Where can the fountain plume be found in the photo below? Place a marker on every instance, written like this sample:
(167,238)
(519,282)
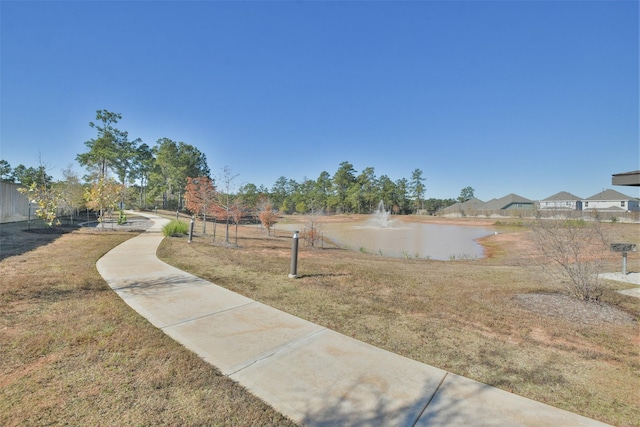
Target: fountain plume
(381,216)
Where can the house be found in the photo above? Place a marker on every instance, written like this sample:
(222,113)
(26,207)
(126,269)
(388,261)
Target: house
(611,201)
(510,202)
(561,201)
(466,208)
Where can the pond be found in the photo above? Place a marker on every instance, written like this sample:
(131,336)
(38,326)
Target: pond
(405,239)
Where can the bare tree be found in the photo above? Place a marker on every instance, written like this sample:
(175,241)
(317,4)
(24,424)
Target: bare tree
(71,192)
(312,233)
(572,252)
(224,199)
(237,212)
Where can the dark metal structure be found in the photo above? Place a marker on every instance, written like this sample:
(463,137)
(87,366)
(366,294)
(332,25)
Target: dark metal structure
(631,179)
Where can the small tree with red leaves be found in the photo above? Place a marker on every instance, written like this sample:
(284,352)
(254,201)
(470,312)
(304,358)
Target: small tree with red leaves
(200,195)
(268,217)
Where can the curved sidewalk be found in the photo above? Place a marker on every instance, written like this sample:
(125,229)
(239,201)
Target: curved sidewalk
(315,376)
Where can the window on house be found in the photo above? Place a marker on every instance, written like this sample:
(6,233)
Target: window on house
(586,204)
(622,203)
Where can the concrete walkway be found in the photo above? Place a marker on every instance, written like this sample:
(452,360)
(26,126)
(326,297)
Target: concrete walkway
(633,278)
(315,376)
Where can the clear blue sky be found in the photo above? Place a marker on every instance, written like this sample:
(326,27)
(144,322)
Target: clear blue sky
(525,97)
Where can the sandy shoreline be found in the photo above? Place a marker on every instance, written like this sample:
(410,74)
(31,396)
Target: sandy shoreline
(427,219)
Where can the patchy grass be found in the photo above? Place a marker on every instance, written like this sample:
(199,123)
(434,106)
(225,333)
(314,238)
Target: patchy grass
(72,352)
(463,316)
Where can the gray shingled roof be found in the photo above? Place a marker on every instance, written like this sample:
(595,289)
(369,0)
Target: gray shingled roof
(609,195)
(562,196)
(469,204)
(503,202)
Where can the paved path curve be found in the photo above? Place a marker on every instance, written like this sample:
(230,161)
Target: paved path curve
(314,375)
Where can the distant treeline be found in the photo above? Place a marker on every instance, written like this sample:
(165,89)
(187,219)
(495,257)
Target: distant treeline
(157,176)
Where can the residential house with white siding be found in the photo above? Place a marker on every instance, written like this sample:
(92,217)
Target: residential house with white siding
(561,201)
(611,201)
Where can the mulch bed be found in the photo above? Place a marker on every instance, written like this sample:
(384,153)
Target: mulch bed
(574,310)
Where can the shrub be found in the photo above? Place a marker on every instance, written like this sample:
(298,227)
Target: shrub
(268,217)
(175,227)
(574,250)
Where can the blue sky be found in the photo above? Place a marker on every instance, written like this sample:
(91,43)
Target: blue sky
(525,97)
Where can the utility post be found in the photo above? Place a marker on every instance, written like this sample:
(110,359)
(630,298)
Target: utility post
(293,274)
(191,229)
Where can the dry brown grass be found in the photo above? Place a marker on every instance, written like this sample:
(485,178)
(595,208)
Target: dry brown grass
(73,353)
(468,317)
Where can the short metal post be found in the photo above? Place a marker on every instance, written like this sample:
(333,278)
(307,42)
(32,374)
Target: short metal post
(155,210)
(294,256)
(177,215)
(624,263)
(191,230)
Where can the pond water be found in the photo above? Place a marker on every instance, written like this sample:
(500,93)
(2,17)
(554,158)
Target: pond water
(405,239)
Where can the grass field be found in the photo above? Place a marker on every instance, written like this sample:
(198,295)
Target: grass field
(495,320)
(72,352)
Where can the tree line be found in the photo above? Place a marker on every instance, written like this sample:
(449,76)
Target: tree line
(347,191)
(124,172)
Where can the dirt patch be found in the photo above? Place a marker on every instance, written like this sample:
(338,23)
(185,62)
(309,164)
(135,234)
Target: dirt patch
(573,310)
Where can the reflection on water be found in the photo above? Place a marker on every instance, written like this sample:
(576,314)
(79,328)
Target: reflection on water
(406,240)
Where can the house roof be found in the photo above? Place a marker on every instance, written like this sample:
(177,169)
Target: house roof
(609,194)
(472,203)
(503,202)
(562,196)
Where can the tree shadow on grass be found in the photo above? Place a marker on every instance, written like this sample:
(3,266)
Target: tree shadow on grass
(379,411)
(18,238)
(303,276)
(158,286)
